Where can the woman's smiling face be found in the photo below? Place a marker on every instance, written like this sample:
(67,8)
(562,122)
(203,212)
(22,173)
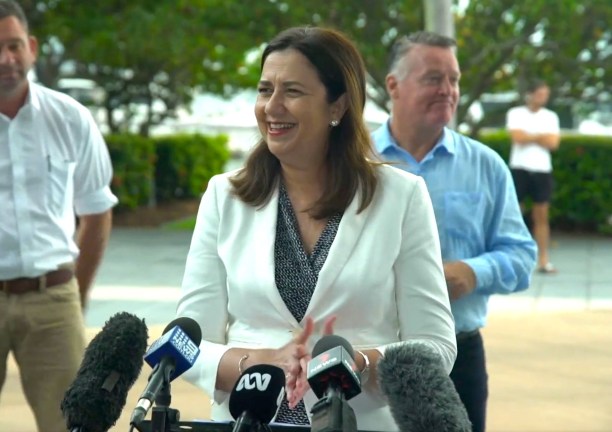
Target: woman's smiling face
(292,110)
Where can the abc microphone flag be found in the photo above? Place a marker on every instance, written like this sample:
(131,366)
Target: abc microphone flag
(257,396)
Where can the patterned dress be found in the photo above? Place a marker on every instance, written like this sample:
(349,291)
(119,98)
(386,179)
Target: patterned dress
(296,275)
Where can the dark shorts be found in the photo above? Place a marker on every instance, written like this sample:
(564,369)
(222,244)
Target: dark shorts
(536,185)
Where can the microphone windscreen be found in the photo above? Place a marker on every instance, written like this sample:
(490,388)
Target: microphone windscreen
(111,364)
(180,341)
(421,395)
(189,326)
(328,342)
(259,391)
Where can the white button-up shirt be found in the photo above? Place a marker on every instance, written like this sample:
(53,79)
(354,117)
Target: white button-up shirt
(53,164)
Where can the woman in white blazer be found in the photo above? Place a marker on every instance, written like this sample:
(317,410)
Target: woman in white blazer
(311,228)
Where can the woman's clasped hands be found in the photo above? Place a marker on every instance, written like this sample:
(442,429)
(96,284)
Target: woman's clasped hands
(293,358)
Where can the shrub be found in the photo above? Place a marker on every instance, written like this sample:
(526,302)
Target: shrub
(582,169)
(185,163)
(133,159)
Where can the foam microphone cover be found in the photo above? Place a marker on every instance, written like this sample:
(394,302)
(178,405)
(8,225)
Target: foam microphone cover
(111,364)
(188,325)
(328,342)
(259,391)
(421,395)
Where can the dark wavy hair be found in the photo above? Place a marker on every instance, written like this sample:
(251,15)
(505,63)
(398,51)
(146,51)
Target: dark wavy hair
(350,155)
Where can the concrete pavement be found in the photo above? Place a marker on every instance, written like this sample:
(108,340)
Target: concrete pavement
(549,348)
(143,269)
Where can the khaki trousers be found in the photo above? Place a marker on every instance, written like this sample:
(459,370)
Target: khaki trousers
(45,331)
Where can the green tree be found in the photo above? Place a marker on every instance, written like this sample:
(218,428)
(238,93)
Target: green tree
(141,53)
(504,43)
(156,54)
(148,57)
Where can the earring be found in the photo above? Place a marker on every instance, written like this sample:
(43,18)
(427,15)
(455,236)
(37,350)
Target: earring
(334,123)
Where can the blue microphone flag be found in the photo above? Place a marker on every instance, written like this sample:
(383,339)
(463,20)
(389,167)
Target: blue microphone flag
(176,344)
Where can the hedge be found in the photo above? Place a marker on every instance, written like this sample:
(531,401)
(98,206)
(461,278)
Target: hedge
(133,159)
(152,170)
(582,169)
(185,163)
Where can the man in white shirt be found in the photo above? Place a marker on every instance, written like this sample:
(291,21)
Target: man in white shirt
(54,165)
(535,133)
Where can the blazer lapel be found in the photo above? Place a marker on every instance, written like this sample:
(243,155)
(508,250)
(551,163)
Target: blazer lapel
(349,232)
(264,236)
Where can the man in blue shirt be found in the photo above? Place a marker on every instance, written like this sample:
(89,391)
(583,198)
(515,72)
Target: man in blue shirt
(486,246)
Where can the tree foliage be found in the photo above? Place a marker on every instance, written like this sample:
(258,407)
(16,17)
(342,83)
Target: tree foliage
(505,43)
(156,54)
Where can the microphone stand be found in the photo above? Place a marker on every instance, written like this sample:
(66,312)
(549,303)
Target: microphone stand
(245,423)
(163,418)
(332,413)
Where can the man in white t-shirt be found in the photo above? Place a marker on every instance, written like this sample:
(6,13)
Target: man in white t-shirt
(535,133)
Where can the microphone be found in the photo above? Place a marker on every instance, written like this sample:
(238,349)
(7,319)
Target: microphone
(333,363)
(111,363)
(169,356)
(421,395)
(256,397)
(332,375)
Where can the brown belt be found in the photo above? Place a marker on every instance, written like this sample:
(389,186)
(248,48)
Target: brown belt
(48,280)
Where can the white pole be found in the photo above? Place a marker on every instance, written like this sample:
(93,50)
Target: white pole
(439,19)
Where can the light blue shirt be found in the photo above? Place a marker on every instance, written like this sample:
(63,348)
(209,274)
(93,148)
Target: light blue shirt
(477,213)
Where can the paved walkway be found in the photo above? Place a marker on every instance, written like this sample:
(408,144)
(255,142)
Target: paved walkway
(549,348)
(143,269)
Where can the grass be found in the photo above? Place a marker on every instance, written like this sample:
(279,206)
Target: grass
(186,224)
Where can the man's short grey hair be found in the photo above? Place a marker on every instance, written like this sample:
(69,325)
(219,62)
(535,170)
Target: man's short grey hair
(403,45)
(10,8)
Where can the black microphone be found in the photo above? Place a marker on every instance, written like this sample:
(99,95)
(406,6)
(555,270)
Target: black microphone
(170,356)
(256,397)
(421,395)
(111,364)
(332,375)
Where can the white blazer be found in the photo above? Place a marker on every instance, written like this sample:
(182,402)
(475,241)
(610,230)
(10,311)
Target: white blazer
(383,279)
